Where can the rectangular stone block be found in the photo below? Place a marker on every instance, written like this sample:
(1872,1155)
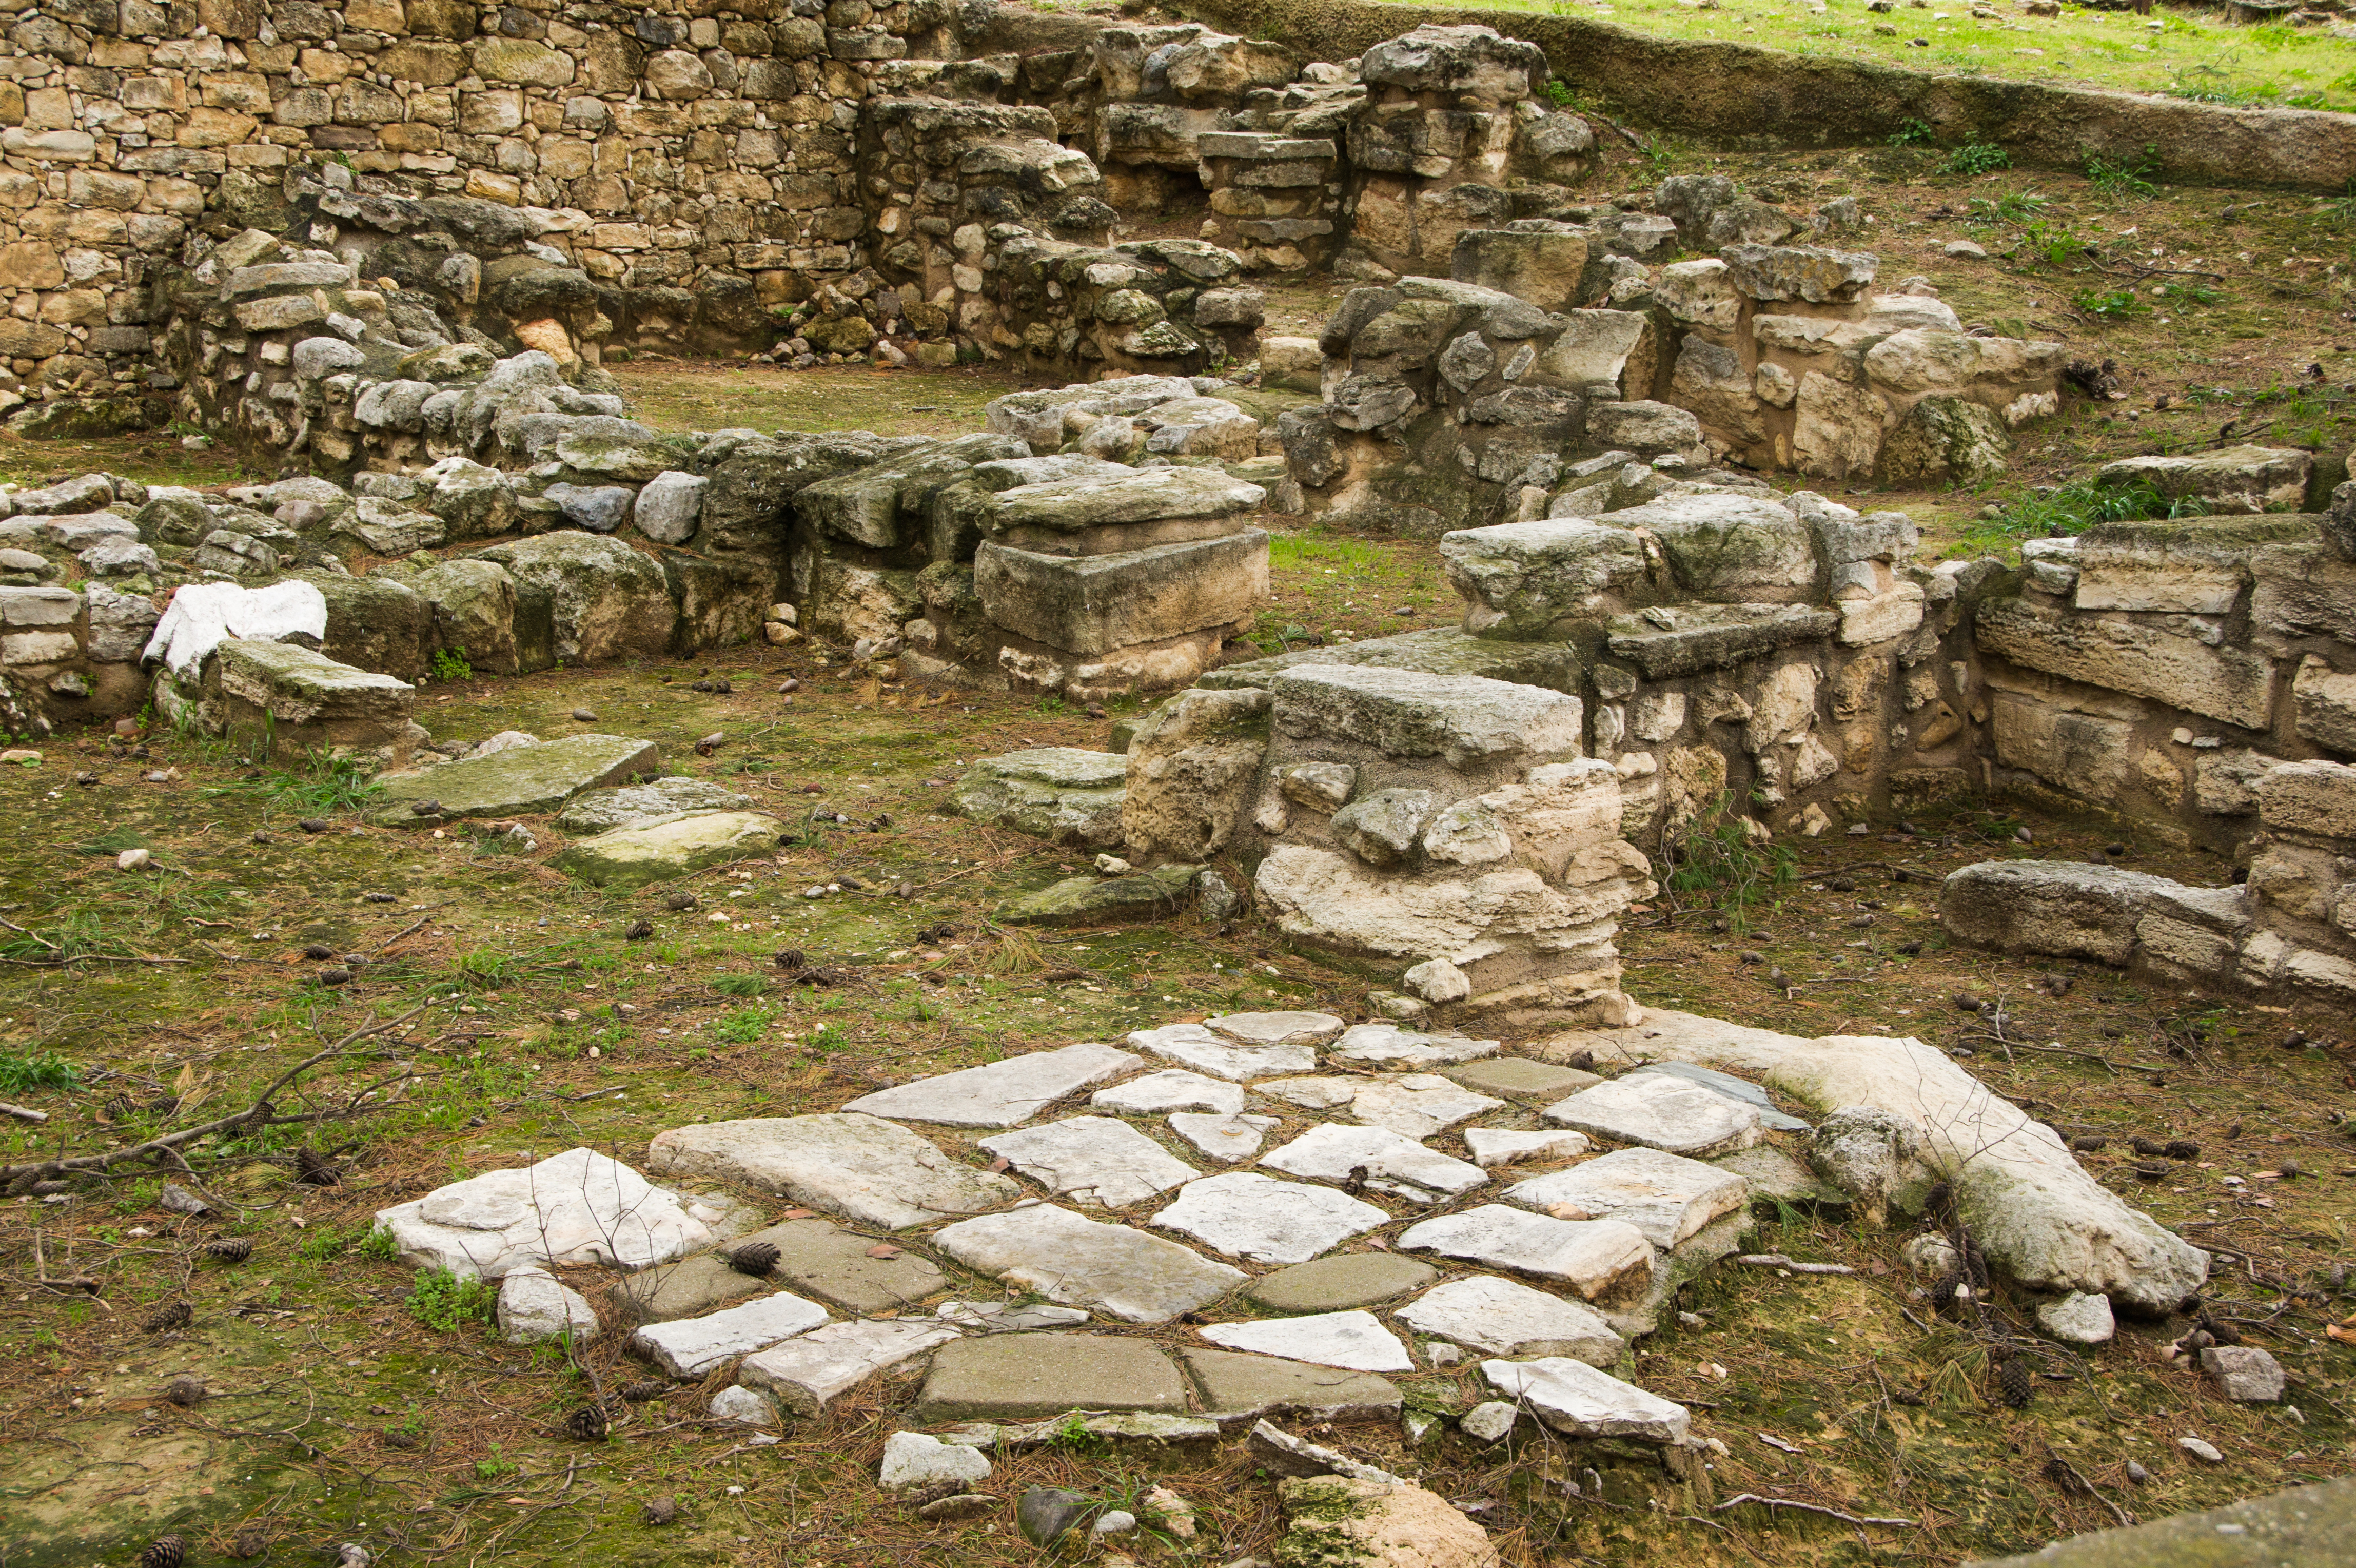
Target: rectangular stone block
(1094,604)
(2317,797)
(39,647)
(2326,705)
(38,606)
(2085,756)
(2224,683)
(1403,713)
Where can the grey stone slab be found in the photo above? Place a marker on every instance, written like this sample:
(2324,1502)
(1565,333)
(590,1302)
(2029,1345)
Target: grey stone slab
(1387,1161)
(1437,650)
(671,847)
(1092,1159)
(1247,1215)
(1520,1079)
(1233,1388)
(1419,1104)
(2303,1525)
(1576,1399)
(1504,1317)
(1666,1197)
(1032,1375)
(1223,1138)
(1131,1429)
(689,1347)
(1316,1093)
(999,1318)
(689,1288)
(523,780)
(579,1206)
(808,1373)
(869,1171)
(535,1306)
(1339,1283)
(1001,1094)
(916,1463)
(1660,1112)
(1354,1338)
(1594,1257)
(1205,1050)
(635,805)
(1464,719)
(1494,1146)
(1387,1045)
(1277,1028)
(1732,1088)
(819,1258)
(1174,1088)
(1775,1176)
(2078,1319)
(1068,1258)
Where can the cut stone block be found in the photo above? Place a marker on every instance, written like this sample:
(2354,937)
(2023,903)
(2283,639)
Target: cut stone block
(1173,1090)
(1660,1112)
(1594,1257)
(1277,1028)
(1340,1283)
(1524,577)
(1225,1138)
(1437,650)
(1084,1263)
(1002,1094)
(1387,1161)
(1419,1104)
(866,1170)
(579,1206)
(1208,1051)
(837,1266)
(1097,604)
(808,1372)
(1132,509)
(1058,793)
(535,1306)
(691,1347)
(1689,639)
(1233,1387)
(1247,1215)
(1462,719)
(1520,1079)
(1094,1159)
(305,700)
(689,1288)
(596,812)
(1506,1317)
(1575,1399)
(1032,1375)
(1667,1197)
(1354,1339)
(1732,1087)
(2143,661)
(524,781)
(676,846)
(1387,1045)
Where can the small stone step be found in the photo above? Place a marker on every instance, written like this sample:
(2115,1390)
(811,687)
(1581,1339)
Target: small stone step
(1016,1376)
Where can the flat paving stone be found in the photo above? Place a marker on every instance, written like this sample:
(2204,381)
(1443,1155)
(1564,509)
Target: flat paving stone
(522,782)
(1520,1079)
(579,1206)
(1776,1177)
(1080,1261)
(1576,1399)
(1666,1196)
(819,1258)
(671,847)
(1387,1045)
(1232,1387)
(1191,1045)
(810,1371)
(1733,1088)
(1387,1161)
(1312,1093)
(998,1317)
(1032,1375)
(1225,1138)
(1419,1104)
(1277,1028)
(1594,1257)
(689,1288)
(1131,1428)
(1354,1339)
(1002,1094)
(1173,1088)
(691,1347)
(1494,1146)
(871,1172)
(1506,1317)
(1092,1159)
(1247,1215)
(1339,1283)
(1660,1112)
(596,812)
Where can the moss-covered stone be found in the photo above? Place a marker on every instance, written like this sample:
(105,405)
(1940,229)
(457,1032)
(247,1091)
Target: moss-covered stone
(1154,895)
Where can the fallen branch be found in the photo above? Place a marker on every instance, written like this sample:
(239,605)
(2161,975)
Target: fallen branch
(1778,1260)
(1809,1507)
(23,1113)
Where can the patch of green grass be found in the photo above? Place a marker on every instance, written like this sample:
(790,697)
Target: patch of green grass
(446,1302)
(323,785)
(1977,158)
(2137,177)
(739,985)
(21,1072)
(379,1245)
(450,665)
(2111,305)
(743,1026)
(1914,133)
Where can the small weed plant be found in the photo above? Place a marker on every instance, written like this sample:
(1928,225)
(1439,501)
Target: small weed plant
(325,784)
(450,666)
(1978,157)
(1714,861)
(2137,177)
(2111,305)
(21,1072)
(1914,133)
(445,1303)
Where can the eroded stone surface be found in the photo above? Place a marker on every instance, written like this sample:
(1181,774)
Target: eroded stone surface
(1235,1386)
(1574,1397)
(1247,1215)
(1092,1159)
(1494,1146)
(691,1347)
(1206,1051)
(1386,1161)
(1387,1045)
(1339,1283)
(1594,1257)
(1354,1339)
(1001,1094)
(579,1206)
(1731,1087)
(1666,1197)
(1020,1375)
(1175,1089)
(1660,1112)
(808,1373)
(535,1306)
(1506,1317)
(1277,1028)
(1084,1262)
(1419,1104)
(1223,1138)
(869,1171)
(1520,1079)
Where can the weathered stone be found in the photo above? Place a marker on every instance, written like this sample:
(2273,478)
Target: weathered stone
(1418,1104)
(1596,1258)
(580,1207)
(1385,1160)
(635,805)
(808,1373)
(1208,1051)
(1494,1146)
(656,852)
(871,1172)
(1575,1399)
(1001,1094)
(526,781)
(1083,1263)
(1059,793)
(1339,1283)
(1662,1113)
(1247,1215)
(1463,720)
(1018,1375)
(1352,1339)
(1731,1087)
(1277,1028)
(689,1347)
(2243,1373)
(1192,757)
(1173,1090)
(1522,577)
(1504,1317)
(534,1306)
(1092,1159)
(1520,1079)
(2307,1524)
(1222,1136)
(1154,895)
(1377,1524)
(1387,1045)
(2244,479)
(1667,1198)
(914,1462)
(2077,1318)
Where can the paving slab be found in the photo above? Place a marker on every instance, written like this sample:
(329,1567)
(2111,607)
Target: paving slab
(1666,1196)
(1092,1159)
(1594,1257)
(1080,1261)
(1002,1094)
(1387,1045)
(1173,1088)
(1660,1112)
(1520,1079)
(1131,1428)
(1419,1104)
(671,847)
(1576,1399)
(579,1206)
(1494,1146)
(1295,1028)
(999,1318)
(1223,1138)
(535,1306)
(820,1258)
(1205,1050)
(522,782)
(869,1171)
(1733,1088)
(1317,1093)
(689,1347)
(1387,1161)
(1339,1283)
(2305,1525)
(596,812)
(689,1288)
(1506,1317)
(810,1371)
(1354,1339)
(1247,1215)
(1032,1375)
(1232,1388)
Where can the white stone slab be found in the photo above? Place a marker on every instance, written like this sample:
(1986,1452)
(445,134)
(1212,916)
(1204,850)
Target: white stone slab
(687,1348)
(1247,1215)
(1660,1112)
(1592,1256)
(1094,1159)
(1494,1146)
(916,1463)
(869,1171)
(1389,1162)
(1354,1339)
(1002,1094)
(579,1206)
(1666,1196)
(1223,1138)
(1419,1104)
(1173,1088)
(535,1305)
(1732,1087)
(808,1371)
(1312,1093)
(1573,1397)
(1277,1028)
(1085,1262)
(1191,1045)
(1387,1045)
(1506,1318)
(2077,1318)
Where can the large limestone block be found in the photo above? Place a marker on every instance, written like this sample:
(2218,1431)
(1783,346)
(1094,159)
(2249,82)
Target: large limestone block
(2143,661)
(2317,797)
(1093,1160)
(1463,720)
(869,1171)
(1613,348)
(297,687)
(1437,650)
(2325,700)
(1098,604)
(1060,793)
(1377,1522)
(580,1207)
(1522,577)
(608,600)
(658,851)
(1542,262)
(1728,547)
(635,805)
(1472,64)
(1247,1215)
(1993,370)
(1096,514)
(1337,902)
(2247,479)
(1190,763)
(1811,273)
(1686,639)
(522,781)
(1658,1112)
(2072,910)
(1001,1093)
(2080,753)
(1084,1262)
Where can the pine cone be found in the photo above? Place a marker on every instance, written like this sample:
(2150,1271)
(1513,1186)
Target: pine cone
(587,1424)
(661,1510)
(251,1541)
(646,1389)
(166,1319)
(229,1249)
(758,1258)
(164,1552)
(1943,1288)
(2013,1378)
(639,932)
(185,1392)
(313,1169)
